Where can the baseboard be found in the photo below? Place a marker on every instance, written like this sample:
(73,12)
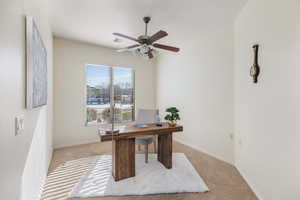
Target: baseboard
(249,183)
(94,140)
(202,150)
(58,146)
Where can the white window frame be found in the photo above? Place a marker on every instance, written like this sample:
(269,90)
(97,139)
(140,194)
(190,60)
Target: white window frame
(111,93)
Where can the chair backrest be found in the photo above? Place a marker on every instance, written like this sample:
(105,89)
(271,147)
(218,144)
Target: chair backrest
(147,116)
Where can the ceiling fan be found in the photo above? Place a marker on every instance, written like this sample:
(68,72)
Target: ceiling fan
(146,43)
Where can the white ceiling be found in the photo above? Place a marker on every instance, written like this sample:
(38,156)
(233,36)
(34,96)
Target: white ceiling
(94,21)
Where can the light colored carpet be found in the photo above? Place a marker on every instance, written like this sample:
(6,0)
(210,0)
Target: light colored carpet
(223,179)
(151,178)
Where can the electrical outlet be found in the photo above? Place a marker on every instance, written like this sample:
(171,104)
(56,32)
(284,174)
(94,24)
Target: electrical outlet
(19,124)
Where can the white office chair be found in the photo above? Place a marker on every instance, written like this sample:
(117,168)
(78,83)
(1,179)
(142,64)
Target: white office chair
(146,116)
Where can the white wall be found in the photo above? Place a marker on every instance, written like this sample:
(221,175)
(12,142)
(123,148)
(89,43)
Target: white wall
(18,154)
(199,81)
(70,58)
(268,113)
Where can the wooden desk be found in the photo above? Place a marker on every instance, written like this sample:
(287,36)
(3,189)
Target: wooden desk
(123,147)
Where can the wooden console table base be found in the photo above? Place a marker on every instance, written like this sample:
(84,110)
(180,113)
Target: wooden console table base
(164,152)
(123,158)
(123,148)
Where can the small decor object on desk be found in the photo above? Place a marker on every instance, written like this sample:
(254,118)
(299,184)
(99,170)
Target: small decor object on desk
(158,121)
(113,130)
(172,116)
(254,71)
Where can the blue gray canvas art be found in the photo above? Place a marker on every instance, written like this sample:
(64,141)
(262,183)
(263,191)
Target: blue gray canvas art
(37,68)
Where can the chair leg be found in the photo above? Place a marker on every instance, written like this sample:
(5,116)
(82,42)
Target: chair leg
(154,144)
(139,147)
(146,153)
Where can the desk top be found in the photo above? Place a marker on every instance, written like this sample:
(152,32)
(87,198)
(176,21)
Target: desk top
(131,131)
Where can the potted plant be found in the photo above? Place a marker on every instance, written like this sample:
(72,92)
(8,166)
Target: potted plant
(172,116)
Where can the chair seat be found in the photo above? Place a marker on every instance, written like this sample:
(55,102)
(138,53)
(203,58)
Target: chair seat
(144,140)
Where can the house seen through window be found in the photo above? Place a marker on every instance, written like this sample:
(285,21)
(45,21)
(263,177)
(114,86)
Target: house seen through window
(108,87)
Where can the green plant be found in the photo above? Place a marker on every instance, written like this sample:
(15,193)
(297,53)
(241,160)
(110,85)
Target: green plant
(173,114)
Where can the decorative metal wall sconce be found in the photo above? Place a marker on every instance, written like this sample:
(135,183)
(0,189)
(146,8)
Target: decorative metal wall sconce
(254,71)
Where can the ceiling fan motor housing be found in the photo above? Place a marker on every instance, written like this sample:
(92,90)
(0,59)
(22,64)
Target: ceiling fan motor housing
(144,39)
(147,19)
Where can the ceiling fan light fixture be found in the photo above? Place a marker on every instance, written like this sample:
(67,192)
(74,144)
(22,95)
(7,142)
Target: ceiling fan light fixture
(145,54)
(141,53)
(144,49)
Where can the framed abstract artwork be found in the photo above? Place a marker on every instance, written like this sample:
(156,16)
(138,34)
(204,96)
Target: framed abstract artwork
(36,66)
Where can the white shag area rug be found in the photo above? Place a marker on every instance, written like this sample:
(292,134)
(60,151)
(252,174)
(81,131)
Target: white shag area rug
(151,178)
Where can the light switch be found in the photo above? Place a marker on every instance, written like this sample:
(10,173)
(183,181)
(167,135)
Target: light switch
(19,124)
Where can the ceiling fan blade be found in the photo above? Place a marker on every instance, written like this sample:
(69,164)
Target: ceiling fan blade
(160,34)
(150,54)
(127,37)
(165,47)
(129,48)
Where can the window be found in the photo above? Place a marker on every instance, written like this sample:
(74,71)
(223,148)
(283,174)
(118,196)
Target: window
(106,87)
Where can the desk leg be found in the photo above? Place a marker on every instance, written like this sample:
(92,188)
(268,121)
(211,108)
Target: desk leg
(123,158)
(165,150)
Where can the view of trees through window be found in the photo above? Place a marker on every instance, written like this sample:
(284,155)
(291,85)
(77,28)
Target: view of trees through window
(100,80)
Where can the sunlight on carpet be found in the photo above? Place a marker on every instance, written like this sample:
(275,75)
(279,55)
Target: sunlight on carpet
(62,180)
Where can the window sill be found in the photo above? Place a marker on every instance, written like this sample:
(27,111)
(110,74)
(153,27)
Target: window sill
(87,124)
